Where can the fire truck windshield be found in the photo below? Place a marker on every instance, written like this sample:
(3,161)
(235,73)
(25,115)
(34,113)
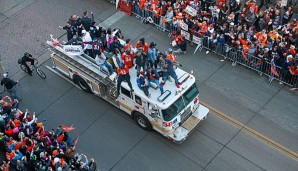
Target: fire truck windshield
(181,103)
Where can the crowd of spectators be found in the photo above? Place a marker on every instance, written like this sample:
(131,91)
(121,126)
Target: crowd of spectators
(263,29)
(29,146)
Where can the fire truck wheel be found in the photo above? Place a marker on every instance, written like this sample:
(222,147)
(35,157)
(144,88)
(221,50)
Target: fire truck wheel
(82,84)
(142,121)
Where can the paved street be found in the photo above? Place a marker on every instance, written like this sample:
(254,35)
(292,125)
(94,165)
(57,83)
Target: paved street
(113,138)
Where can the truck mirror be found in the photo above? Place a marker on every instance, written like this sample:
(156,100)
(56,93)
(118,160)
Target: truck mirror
(152,107)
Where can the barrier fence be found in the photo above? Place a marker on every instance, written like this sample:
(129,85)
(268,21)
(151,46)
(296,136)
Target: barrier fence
(259,64)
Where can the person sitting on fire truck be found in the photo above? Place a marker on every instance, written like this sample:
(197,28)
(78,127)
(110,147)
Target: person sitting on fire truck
(115,44)
(152,76)
(116,58)
(123,75)
(101,60)
(143,83)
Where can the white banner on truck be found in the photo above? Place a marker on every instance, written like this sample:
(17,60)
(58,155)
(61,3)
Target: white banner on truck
(73,49)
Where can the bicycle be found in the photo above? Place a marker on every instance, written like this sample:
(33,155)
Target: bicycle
(39,71)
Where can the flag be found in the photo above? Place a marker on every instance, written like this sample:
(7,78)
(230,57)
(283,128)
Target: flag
(273,68)
(76,141)
(67,128)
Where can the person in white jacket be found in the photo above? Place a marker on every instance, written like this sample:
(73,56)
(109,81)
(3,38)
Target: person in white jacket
(87,41)
(101,60)
(26,123)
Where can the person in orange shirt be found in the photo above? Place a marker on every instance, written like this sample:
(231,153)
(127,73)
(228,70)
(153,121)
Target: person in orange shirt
(252,6)
(203,28)
(156,14)
(127,58)
(127,45)
(123,75)
(143,44)
(220,3)
(261,37)
(172,57)
(294,71)
(291,51)
(274,35)
(245,47)
(9,155)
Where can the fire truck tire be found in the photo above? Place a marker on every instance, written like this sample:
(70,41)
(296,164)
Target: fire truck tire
(142,121)
(82,84)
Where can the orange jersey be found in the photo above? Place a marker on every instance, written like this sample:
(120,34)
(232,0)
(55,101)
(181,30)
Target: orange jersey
(145,47)
(141,4)
(273,36)
(262,39)
(245,48)
(128,59)
(291,51)
(157,12)
(171,57)
(9,156)
(123,71)
(128,45)
(243,42)
(254,7)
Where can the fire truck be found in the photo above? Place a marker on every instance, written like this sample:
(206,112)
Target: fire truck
(174,114)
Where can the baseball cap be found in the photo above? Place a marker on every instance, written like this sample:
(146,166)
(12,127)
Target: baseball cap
(5,74)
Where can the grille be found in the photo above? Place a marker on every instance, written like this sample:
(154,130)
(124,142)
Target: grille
(185,115)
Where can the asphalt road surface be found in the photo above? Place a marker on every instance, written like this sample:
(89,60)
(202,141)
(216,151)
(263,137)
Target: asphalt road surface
(252,123)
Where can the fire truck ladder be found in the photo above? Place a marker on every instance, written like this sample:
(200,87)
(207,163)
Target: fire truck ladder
(87,65)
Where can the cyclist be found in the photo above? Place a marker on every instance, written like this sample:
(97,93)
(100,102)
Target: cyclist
(28,58)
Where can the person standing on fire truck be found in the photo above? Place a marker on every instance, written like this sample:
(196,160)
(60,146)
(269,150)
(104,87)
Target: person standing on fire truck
(142,43)
(123,75)
(128,57)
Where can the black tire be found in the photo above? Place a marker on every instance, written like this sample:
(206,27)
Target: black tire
(142,121)
(82,84)
(41,73)
(24,68)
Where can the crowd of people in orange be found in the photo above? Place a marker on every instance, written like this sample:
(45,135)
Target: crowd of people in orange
(29,146)
(265,29)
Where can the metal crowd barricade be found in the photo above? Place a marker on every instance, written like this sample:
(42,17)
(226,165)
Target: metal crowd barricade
(148,16)
(258,64)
